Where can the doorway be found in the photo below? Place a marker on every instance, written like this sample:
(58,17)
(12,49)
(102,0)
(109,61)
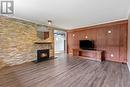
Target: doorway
(60,41)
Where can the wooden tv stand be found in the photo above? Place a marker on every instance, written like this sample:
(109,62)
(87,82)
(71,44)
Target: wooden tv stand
(89,54)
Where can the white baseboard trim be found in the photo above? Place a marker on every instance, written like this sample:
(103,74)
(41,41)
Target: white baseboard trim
(128,67)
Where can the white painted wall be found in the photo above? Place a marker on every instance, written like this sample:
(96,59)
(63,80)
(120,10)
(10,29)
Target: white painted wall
(129,42)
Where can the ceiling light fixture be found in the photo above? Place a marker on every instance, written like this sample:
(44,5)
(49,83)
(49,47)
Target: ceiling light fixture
(49,22)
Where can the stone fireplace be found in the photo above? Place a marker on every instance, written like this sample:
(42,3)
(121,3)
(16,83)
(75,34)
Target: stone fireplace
(44,51)
(18,39)
(42,55)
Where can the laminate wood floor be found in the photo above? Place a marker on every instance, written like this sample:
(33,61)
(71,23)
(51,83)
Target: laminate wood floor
(66,71)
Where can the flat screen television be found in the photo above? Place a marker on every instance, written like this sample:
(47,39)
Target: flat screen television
(86,44)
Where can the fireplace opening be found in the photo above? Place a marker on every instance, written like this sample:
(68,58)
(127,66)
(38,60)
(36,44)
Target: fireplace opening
(42,55)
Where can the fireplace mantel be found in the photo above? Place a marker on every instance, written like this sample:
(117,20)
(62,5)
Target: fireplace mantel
(42,42)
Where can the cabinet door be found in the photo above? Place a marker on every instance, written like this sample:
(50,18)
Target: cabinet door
(76,40)
(83,34)
(123,42)
(73,41)
(69,42)
(112,43)
(101,39)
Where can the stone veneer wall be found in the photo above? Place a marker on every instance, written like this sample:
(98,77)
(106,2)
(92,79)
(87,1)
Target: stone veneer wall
(17,42)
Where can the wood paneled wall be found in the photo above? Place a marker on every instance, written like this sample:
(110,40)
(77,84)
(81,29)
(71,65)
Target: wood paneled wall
(114,43)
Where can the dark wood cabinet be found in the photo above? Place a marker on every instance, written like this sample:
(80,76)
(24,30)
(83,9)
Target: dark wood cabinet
(89,54)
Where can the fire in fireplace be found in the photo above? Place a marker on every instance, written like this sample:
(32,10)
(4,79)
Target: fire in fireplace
(42,55)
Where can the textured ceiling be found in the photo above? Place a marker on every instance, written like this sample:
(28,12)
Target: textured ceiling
(70,14)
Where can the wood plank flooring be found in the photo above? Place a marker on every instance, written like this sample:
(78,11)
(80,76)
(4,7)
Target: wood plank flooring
(66,71)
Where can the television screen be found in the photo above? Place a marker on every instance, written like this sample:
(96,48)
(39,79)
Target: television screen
(86,44)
